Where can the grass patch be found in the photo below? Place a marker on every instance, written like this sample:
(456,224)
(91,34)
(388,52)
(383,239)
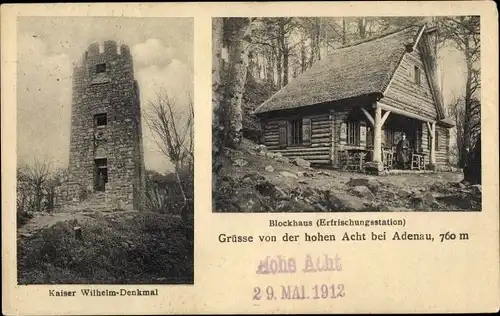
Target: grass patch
(143,248)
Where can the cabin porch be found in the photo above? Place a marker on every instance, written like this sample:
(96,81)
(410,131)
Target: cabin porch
(369,139)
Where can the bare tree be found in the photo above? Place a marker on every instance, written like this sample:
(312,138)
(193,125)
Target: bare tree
(464,33)
(38,175)
(172,128)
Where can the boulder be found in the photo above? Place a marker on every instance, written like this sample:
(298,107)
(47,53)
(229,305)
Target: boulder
(404,193)
(387,195)
(397,209)
(295,206)
(423,200)
(270,154)
(266,188)
(288,174)
(319,207)
(248,202)
(460,185)
(379,207)
(304,174)
(363,192)
(345,202)
(476,190)
(252,177)
(302,163)
(269,168)
(284,159)
(374,167)
(370,183)
(260,148)
(240,162)
(278,156)
(440,186)
(308,192)
(459,201)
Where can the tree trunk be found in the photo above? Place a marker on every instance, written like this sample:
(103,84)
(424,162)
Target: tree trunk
(362,27)
(217,128)
(285,68)
(285,51)
(279,67)
(467,114)
(303,65)
(270,67)
(238,49)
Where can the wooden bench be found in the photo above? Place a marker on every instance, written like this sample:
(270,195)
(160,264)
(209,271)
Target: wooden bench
(354,159)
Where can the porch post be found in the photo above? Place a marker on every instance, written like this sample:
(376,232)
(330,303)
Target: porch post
(377,134)
(433,143)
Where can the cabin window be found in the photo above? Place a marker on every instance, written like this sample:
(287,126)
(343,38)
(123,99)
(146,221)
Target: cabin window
(389,137)
(418,140)
(100,119)
(100,68)
(296,132)
(353,133)
(417,75)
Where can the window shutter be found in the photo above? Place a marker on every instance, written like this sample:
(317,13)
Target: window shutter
(289,136)
(306,131)
(369,137)
(410,71)
(343,132)
(362,134)
(282,134)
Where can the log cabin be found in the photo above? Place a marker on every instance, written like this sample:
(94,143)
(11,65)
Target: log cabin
(350,109)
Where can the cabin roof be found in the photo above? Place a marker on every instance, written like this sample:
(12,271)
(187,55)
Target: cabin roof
(359,69)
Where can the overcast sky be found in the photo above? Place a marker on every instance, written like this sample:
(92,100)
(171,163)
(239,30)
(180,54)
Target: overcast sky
(162,49)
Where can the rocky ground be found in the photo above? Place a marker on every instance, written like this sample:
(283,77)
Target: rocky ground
(253,179)
(94,244)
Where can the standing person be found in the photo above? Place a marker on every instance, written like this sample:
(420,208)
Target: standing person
(402,151)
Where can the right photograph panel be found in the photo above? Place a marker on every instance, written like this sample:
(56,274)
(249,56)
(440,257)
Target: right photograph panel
(346,114)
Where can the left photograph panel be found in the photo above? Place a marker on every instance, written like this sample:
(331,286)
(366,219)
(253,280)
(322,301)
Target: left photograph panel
(105,150)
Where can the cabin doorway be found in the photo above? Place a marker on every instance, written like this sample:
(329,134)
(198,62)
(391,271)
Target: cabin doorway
(100,174)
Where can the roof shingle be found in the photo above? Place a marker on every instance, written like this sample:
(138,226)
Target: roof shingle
(351,71)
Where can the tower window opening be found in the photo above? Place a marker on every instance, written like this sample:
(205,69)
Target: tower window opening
(101,174)
(100,68)
(100,119)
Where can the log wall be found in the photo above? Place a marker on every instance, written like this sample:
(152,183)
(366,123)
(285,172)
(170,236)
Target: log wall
(442,157)
(405,94)
(442,152)
(319,149)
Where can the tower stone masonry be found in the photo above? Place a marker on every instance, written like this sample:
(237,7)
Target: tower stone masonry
(106,149)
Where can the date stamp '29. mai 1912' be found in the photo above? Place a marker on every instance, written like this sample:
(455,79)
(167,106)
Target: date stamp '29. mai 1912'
(289,265)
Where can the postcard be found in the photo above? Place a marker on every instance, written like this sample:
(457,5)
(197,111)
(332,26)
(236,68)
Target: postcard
(278,157)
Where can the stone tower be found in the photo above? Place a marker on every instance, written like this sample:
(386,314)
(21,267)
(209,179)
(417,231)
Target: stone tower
(106,151)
